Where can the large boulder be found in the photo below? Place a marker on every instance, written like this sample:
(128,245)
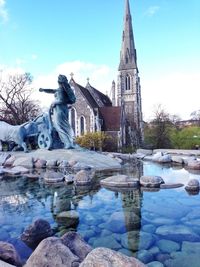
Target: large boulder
(76,244)
(120,181)
(52,252)
(104,257)
(151,181)
(9,254)
(36,232)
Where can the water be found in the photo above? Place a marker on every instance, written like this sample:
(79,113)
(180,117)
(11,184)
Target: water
(159,226)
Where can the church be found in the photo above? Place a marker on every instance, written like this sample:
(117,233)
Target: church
(122,117)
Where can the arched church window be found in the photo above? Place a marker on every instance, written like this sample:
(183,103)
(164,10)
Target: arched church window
(82,125)
(73,120)
(128,82)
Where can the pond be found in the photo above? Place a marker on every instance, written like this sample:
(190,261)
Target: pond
(161,226)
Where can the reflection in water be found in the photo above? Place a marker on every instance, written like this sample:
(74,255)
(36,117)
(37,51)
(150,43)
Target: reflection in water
(131,204)
(126,221)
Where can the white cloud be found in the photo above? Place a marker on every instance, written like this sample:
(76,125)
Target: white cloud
(3,12)
(151,11)
(177,92)
(100,77)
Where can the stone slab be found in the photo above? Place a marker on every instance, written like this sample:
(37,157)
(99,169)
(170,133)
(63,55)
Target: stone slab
(84,156)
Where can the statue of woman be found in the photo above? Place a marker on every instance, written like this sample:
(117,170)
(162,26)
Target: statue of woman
(64,95)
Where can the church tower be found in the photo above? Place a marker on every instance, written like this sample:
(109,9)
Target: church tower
(129,90)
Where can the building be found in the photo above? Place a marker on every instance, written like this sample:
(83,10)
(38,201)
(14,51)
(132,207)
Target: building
(121,117)
(129,89)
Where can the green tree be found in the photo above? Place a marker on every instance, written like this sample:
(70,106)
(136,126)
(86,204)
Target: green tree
(186,138)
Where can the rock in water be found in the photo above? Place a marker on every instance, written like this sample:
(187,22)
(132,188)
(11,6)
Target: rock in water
(101,257)
(9,254)
(52,252)
(76,244)
(36,232)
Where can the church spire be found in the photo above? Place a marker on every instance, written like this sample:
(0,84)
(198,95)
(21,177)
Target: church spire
(128,58)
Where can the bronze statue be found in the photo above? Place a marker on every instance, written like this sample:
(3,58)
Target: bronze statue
(64,95)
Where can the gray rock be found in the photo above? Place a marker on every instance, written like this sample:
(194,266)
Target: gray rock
(154,250)
(9,254)
(40,163)
(149,228)
(87,234)
(171,185)
(76,244)
(69,178)
(68,218)
(20,169)
(165,159)
(101,257)
(53,177)
(36,232)
(162,257)
(151,181)
(107,242)
(194,164)
(167,246)
(191,247)
(193,185)
(32,176)
(120,222)
(177,160)
(27,162)
(52,252)
(120,181)
(135,240)
(183,259)
(157,156)
(83,177)
(177,233)
(63,164)
(145,256)
(51,163)
(155,264)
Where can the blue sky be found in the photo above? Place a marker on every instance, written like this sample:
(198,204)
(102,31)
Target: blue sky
(48,37)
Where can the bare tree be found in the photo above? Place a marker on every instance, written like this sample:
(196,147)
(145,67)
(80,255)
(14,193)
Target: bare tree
(16,105)
(157,133)
(195,116)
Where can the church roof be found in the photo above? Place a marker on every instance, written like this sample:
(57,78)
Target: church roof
(101,99)
(111,117)
(87,95)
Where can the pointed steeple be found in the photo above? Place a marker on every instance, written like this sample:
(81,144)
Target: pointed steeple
(128,59)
